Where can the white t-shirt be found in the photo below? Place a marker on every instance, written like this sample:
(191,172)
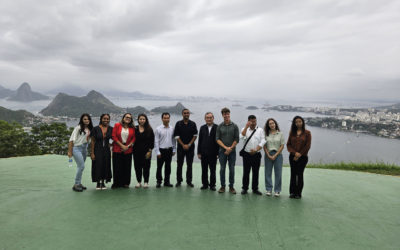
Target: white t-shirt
(80,138)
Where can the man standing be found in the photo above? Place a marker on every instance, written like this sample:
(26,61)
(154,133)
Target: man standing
(165,147)
(185,134)
(227,137)
(254,140)
(207,151)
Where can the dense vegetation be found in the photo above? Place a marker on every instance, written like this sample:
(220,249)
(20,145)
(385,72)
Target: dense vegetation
(43,139)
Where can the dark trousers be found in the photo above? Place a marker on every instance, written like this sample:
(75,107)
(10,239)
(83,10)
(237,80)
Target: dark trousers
(251,163)
(189,162)
(296,174)
(208,162)
(142,166)
(122,166)
(166,157)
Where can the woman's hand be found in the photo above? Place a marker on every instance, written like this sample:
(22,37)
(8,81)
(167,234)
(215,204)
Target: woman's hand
(69,154)
(92,156)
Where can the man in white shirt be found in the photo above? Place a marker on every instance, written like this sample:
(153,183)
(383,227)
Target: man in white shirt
(252,155)
(165,148)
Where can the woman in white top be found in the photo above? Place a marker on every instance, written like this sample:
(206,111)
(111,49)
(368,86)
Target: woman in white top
(77,148)
(273,156)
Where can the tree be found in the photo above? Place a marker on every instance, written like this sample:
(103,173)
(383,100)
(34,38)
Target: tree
(15,142)
(52,138)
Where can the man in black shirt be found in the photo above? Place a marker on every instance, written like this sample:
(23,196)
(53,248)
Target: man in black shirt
(185,134)
(207,151)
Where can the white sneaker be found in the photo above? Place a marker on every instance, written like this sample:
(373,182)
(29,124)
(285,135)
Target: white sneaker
(146,185)
(138,185)
(268,193)
(277,194)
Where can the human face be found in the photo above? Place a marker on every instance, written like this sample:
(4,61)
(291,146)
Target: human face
(253,123)
(209,118)
(127,119)
(105,120)
(186,114)
(86,120)
(165,120)
(299,123)
(272,125)
(142,120)
(227,117)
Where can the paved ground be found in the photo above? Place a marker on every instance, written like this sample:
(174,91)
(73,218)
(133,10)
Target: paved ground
(339,210)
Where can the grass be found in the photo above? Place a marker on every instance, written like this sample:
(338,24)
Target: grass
(376,168)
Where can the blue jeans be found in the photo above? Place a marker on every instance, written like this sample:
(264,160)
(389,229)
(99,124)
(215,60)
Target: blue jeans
(277,165)
(79,153)
(231,158)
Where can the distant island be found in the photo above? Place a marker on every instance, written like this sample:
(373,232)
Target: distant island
(23,94)
(177,109)
(252,108)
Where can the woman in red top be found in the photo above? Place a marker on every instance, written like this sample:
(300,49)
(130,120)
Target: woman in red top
(298,145)
(123,135)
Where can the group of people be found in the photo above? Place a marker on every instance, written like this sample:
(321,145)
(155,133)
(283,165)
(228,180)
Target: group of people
(215,142)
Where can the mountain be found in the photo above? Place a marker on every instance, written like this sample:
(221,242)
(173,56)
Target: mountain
(25,94)
(4,92)
(69,89)
(20,116)
(93,103)
(177,109)
(137,110)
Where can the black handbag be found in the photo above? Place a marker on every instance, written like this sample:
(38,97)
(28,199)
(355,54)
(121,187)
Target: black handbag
(242,152)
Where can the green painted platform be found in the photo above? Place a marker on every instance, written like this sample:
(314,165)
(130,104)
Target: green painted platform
(339,210)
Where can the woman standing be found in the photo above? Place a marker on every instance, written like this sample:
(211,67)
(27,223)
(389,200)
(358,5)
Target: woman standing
(144,144)
(101,153)
(273,156)
(77,148)
(123,135)
(298,145)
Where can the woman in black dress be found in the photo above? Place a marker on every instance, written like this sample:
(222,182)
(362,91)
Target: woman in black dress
(142,150)
(101,153)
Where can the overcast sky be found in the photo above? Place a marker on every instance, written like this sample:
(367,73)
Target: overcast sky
(268,48)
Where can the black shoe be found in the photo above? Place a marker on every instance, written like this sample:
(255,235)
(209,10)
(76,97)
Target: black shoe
(297,196)
(291,196)
(213,189)
(203,187)
(158,185)
(103,186)
(178,184)
(257,192)
(244,191)
(190,185)
(83,187)
(98,186)
(168,185)
(77,188)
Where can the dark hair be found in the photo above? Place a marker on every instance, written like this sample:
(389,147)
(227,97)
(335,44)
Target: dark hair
(293,129)
(131,124)
(184,110)
(90,126)
(225,110)
(101,117)
(251,117)
(165,113)
(267,128)
(147,128)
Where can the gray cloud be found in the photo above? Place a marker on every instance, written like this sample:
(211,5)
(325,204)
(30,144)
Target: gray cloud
(300,49)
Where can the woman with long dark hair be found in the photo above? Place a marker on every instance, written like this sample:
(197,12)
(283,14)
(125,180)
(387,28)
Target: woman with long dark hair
(77,148)
(273,147)
(144,144)
(101,153)
(123,136)
(298,145)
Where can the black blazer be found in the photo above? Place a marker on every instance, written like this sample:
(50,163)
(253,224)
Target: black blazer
(207,143)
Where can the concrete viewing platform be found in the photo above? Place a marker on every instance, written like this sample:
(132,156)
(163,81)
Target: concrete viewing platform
(339,210)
